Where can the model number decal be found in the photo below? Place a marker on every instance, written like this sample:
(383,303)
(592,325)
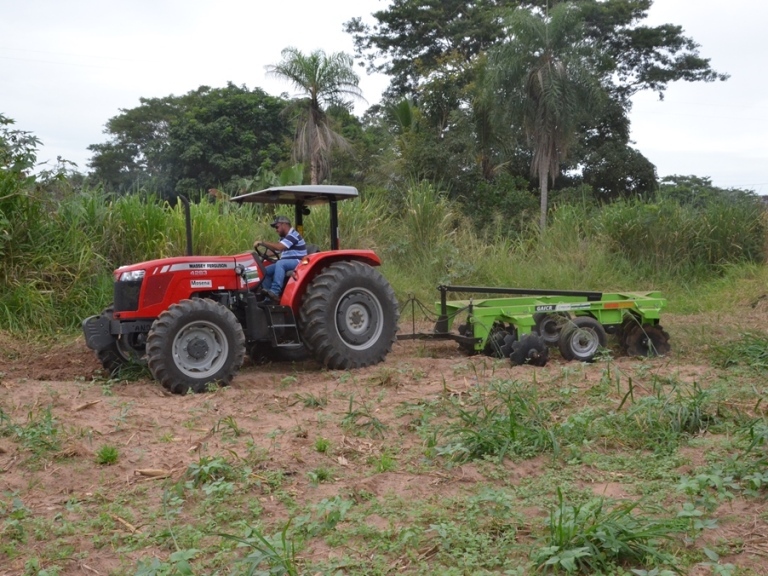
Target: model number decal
(201,283)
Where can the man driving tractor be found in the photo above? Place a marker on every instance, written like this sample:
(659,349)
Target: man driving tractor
(291,249)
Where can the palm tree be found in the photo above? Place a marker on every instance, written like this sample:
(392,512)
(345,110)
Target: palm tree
(543,75)
(322,80)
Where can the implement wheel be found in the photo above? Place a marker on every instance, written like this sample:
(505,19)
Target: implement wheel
(195,343)
(549,325)
(348,318)
(581,339)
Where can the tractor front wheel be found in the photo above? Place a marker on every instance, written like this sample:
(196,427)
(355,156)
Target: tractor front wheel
(123,351)
(348,317)
(193,344)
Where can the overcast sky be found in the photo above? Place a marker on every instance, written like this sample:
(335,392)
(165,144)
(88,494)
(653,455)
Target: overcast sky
(66,67)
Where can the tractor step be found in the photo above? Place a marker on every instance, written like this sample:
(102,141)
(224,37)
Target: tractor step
(282,326)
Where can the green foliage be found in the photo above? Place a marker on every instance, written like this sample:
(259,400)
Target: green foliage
(436,52)
(206,138)
(659,422)
(323,517)
(361,421)
(209,470)
(591,539)
(508,420)
(750,350)
(320,475)
(322,444)
(39,435)
(502,208)
(277,552)
(663,235)
(57,254)
(544,77)
(177,565)
(323,80)
(107,455)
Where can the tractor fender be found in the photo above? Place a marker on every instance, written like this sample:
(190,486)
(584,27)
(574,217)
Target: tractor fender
(310,266)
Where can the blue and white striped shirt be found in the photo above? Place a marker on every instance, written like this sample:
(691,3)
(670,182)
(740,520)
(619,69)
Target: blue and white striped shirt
(295,247)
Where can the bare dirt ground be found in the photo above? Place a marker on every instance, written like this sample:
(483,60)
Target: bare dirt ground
(272,410)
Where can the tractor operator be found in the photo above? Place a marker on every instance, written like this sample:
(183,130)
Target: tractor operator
(291,248)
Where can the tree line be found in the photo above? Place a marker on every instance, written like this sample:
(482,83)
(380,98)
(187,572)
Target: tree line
(503,103)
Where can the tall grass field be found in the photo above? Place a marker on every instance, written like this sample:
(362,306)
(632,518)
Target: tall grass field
(57,255)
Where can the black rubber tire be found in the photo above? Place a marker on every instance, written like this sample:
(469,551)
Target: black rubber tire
(214,332)
(123,352)
(549,325)
(348,318)
(581,339)
(530,349)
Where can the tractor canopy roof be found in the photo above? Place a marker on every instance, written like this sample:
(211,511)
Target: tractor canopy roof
(306,195)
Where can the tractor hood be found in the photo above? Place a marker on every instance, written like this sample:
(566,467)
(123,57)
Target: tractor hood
(163,265)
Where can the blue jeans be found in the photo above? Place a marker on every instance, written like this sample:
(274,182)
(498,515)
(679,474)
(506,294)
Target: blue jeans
(274,276)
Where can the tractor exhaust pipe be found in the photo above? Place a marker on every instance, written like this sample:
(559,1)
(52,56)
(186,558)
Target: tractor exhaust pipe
(187,223)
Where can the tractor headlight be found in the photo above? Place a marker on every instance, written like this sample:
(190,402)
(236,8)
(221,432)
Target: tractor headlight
(132,276)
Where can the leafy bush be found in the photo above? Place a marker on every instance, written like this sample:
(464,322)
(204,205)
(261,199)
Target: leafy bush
(750,350)
(509,421)
(590,538)
(669,237)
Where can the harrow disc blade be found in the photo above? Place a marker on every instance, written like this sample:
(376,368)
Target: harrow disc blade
(646,340)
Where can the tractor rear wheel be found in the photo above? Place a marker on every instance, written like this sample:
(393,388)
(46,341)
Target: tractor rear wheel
(348,318)
(195,343)
(581,339)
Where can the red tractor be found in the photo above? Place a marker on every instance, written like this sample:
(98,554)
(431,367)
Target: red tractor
(191,319)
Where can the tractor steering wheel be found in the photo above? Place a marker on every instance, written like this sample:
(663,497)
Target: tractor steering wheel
(266,253)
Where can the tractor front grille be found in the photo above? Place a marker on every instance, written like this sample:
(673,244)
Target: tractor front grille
(127,296)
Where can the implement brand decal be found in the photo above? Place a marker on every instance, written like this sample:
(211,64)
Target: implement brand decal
(201,283)
(563,307)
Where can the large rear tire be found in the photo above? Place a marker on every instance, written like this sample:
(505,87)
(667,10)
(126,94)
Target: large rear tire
(348,318)
(193,344)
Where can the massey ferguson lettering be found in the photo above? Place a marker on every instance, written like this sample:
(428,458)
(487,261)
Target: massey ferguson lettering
(201,266)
